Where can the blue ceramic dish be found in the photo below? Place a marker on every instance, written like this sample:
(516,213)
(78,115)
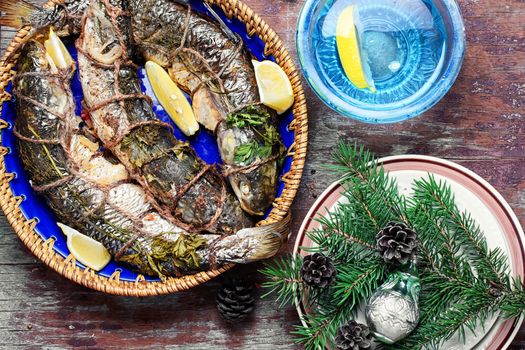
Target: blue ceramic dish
(399,32)
(203,143)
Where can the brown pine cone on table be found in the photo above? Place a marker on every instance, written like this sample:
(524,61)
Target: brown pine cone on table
(235,299)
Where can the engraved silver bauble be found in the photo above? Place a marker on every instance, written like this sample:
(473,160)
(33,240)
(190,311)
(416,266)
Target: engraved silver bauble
(392,312)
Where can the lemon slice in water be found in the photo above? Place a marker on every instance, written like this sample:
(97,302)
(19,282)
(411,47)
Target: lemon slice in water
(85,249)
(352,59)
(274,86)
(56,49)
(171,99)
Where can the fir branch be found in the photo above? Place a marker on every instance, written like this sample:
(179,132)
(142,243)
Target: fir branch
(439,198)
(283,278)
(438,292)
(369,246)
(338,246)
(358,166)
(321,328)
(357,282)
(328,312)
(344,234)
(513,303)
(463,282)
(435,242)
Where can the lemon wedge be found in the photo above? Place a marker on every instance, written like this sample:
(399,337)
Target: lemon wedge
(85,249)
(347,39)
(171,98)
(56,49)
(274,86)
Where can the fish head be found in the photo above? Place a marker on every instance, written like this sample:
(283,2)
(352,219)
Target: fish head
(256,189)
(252,167)
(100,38)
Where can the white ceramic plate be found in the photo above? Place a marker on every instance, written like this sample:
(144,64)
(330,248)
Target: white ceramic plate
(489,209)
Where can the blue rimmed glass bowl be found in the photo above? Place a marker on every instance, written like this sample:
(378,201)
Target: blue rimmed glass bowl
(35,223)
(413,51)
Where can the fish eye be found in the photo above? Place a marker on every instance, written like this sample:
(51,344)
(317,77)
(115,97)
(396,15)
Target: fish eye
(245,188)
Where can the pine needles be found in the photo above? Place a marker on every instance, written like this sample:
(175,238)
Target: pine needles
(464,283)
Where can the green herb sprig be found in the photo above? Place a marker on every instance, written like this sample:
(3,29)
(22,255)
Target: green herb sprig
(248,152)
(257,120)
(242,120)
(249,116)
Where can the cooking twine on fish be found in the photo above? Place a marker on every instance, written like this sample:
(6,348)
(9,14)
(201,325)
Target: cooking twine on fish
(228,169)
(74,172)
(122,61)
(231,169)
(61,77)
(114,285)
(204,81)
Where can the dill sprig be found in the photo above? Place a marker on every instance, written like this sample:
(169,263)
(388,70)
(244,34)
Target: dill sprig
(265,140)
(249,116)
(248,152)
(464,283)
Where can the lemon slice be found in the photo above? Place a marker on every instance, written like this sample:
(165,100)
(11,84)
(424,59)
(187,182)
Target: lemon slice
(274,86)
(85,249)
(57,51)
(347,38)
(171,98)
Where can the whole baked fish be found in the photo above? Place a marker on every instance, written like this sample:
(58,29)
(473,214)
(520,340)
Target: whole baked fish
(95,194)
(208,63)
(217,71)
(122,117)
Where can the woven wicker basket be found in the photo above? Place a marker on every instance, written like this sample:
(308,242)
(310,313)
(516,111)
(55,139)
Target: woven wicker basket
(113,285)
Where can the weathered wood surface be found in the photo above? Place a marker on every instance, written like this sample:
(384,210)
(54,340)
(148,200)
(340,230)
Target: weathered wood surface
(479,124)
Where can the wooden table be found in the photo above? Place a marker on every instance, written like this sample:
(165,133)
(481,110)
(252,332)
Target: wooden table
(479,124)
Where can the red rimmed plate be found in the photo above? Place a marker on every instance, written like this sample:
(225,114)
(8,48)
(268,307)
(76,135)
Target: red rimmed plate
(489,209)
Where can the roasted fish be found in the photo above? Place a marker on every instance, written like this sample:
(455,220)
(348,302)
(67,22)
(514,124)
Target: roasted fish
(194,193)
(217,71)
(95,194)
(206,62)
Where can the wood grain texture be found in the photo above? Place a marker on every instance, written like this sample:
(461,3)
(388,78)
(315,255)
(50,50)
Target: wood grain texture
(479,124)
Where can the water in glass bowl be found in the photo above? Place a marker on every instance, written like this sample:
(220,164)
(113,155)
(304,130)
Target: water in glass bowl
(401,44)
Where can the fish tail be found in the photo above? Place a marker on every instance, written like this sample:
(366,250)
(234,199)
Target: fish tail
(15,12)
(252,244)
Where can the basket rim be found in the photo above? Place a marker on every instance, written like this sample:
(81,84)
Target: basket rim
(43,250)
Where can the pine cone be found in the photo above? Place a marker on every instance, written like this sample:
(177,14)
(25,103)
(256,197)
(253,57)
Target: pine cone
(353,336)
(235,299)
(397,243)
(318,271)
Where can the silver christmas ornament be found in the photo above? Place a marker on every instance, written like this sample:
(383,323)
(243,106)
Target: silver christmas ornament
(392,312)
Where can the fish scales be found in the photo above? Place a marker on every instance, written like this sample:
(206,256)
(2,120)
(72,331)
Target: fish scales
(76,202)
(100,200)
(150,150)
(218,72)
